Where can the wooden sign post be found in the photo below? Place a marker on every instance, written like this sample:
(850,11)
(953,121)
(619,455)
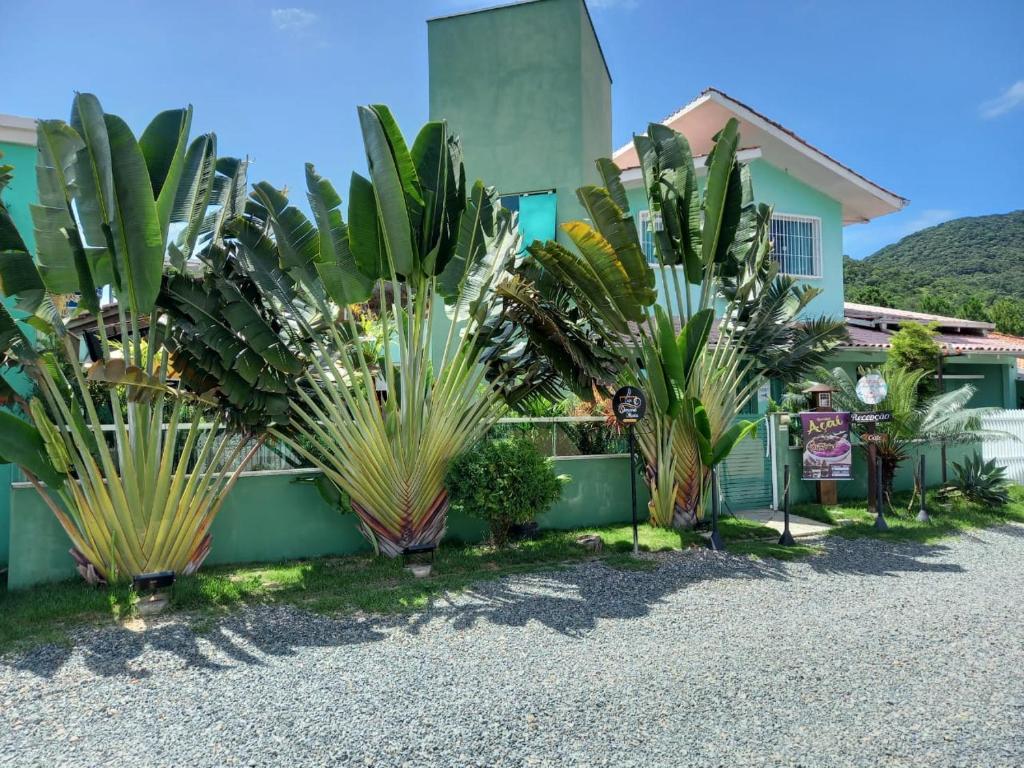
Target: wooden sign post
(871,390)
(821,400)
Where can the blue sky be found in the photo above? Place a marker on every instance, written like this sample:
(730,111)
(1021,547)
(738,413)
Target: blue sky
(924,97)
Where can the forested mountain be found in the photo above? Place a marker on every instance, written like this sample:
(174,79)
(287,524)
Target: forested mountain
(971,267)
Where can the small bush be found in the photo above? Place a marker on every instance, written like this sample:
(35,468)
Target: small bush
(505,482)
(983,482)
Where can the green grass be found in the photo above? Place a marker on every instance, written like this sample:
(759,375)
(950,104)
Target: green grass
(948,517)
(355,583)
(43,614)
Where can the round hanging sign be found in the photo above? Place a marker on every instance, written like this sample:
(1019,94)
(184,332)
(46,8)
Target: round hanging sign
(629,405)
(871,388)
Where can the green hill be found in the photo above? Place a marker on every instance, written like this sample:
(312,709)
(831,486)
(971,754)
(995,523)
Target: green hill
(959,267)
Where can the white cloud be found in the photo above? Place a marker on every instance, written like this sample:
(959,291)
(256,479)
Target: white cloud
(292,19)
(1008,100)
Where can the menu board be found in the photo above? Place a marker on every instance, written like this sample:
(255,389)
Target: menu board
(828,453)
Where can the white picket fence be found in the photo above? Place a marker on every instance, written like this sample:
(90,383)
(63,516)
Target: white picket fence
(1007,451)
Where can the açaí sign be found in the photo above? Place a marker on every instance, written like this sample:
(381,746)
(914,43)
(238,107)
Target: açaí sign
(827,447)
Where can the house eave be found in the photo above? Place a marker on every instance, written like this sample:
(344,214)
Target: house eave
(861,199)
(18,130)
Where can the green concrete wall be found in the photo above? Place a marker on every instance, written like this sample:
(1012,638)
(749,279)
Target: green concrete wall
(526,88)
(856,489)
(274,517)
(5,513)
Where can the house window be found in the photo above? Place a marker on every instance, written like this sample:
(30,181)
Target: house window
(796,244)
(645,230)
(537,214)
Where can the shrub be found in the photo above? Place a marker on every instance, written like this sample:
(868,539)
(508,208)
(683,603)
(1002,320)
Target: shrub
(505,482)
(914,347)
(983,482)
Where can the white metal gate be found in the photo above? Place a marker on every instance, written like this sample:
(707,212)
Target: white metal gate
(1007,451)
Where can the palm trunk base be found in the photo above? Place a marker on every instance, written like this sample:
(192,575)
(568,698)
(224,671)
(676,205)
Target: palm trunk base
(426,531)
(87,570)
(200,554)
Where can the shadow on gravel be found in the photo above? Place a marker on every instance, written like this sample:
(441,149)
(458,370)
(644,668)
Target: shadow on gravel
(570,602)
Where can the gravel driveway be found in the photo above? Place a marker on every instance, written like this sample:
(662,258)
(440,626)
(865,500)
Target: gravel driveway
(870,654)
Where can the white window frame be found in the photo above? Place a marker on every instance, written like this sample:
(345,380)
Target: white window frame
(816,260)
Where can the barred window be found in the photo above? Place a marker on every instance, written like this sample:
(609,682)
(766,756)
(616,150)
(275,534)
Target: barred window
(796,244)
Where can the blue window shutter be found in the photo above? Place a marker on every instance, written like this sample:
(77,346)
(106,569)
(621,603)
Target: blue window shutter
(537,217)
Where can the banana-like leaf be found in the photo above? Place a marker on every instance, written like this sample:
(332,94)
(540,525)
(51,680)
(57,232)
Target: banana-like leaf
(54,228)
(141,386)
(296,236)
(695,414)
(611,176)
(612,273)
(619,230)
(334,262)
(138,244)
(365,238)
(662,397)
(163,145)
(13,341)
(680,199)
(192,197)
(22,444)
(20,279)
(718,217)
(435,172)
(94,179)
(404,164)
(574,275)
(393,175)
(725,444)
(693,339)
(668,350)
(471,245)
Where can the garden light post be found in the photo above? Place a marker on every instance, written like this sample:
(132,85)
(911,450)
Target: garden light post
(922,514)
(786,540)
(715,540)
(629,406)
(880,523)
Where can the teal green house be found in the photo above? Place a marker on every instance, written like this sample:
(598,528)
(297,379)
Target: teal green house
(528,89)
(17,149)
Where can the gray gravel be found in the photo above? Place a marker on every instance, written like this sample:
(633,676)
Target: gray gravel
(870,654)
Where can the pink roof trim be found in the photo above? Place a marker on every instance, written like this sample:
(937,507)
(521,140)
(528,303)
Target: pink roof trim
(778,126)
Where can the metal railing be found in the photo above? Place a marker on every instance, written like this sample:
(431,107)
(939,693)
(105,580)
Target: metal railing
(1007,451)
(561,437)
